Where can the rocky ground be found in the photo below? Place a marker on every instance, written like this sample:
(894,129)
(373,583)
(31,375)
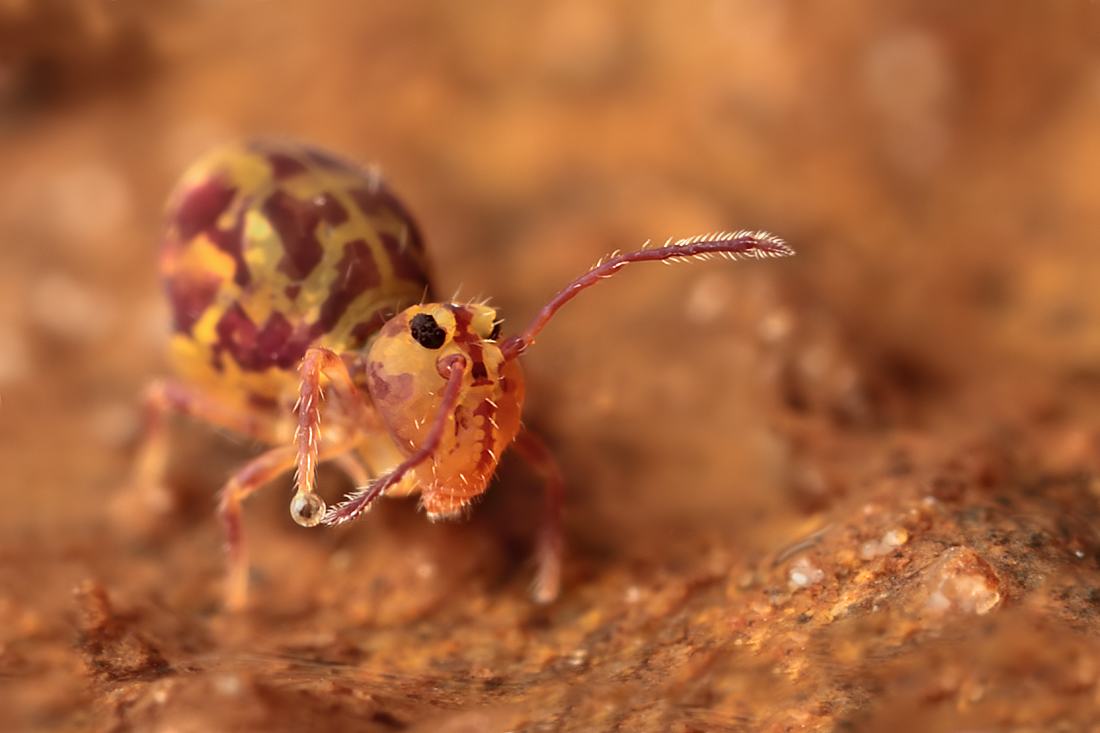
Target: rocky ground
(854,490)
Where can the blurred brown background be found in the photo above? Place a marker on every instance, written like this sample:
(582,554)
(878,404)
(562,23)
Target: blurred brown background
(855,488)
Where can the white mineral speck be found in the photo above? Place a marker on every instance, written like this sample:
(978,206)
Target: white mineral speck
(895,538)
(937,602)
(804,573)
(890,541)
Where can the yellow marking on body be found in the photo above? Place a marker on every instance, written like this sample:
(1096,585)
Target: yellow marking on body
(201,256)
(232,385)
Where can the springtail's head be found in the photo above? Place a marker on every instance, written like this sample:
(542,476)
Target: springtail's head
(408,368)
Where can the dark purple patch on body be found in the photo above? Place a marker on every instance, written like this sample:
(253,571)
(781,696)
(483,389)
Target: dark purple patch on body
(480,373)
(285,166)
(262,402)
(271,340)
(276,344)
(189,297)
(487,412)
(374,202)
(370,202)
(289,354)
(462,418)
(404,265)
(236,335)
(279,344)
(331,162)
(292,291)
(356,273)
(296,224)
(463,334)
(331,210)
(231,241)
(199,207)
(470,342)
(198,212)
(363,330)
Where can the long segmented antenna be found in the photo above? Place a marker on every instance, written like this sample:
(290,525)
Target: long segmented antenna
(359,501)
(731,245)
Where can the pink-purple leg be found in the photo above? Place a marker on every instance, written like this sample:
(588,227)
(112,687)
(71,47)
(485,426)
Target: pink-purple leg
(548,575)
(162,397)
(307,508)
(255,474)
(353,468)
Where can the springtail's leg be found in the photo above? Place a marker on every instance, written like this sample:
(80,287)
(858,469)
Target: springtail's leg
(353,468)
(166,396)
(254,475)
(257,473)
(307,508)
(548,575)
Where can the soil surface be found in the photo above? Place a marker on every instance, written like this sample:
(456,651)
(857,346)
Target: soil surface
(858,489)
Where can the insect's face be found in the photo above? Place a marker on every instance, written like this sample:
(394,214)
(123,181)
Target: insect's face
(406,376)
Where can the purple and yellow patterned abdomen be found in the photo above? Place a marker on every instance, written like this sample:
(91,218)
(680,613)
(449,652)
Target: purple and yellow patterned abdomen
(272,248)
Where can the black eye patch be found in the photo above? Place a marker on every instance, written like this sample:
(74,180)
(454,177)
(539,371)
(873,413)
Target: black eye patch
(426,331)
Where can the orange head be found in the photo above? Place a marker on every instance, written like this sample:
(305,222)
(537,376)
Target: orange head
(407,372)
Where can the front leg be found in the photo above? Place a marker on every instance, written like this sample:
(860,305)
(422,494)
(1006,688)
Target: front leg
(307,508)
